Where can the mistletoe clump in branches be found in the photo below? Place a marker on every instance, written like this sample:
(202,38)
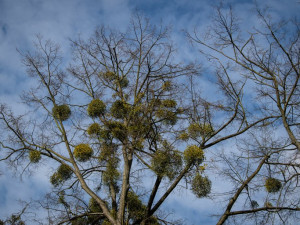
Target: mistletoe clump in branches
(201,186)
(34,156)
(94,130)
(83,152)
(120,109)
(167,161)
(96,108)
(193,155)
(272,185)
(63,173)
(61,112)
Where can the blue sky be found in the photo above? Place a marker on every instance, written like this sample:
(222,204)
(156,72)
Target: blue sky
(59,20)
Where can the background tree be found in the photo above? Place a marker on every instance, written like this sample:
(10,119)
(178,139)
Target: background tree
(266,61)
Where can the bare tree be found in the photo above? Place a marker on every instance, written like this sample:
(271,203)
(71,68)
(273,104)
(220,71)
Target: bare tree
(266,61)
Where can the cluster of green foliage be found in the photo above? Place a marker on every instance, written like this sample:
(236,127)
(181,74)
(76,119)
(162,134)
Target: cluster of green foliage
(169,117)
(123,82)
(61,112)
(95,218)
(63,173)
(94,206)
(119,109)
(117,129)
(34,156)
(111,174)
(88,220)
(167,111)
(169,103)
(135,206)
(201,186)
(108,155)
(94,130)
(139,125)
(272,185)
(109,76)
(137,210)
(120,82)
(96,108)
(83,152)
(193,155)
(166,162)
(167,86)
(196,130)
(111,129)
(184,136)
